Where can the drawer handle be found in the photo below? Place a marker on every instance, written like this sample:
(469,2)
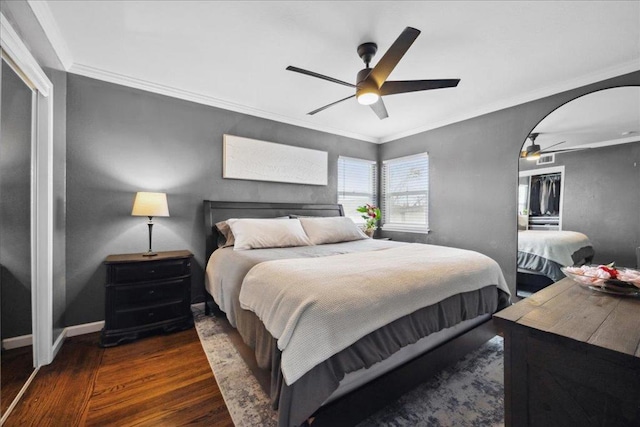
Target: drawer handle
(150,314)
(151,292)
(151,271)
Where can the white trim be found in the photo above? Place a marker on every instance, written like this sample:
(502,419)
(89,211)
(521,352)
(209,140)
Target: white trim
(541,171)
(85,328)
(111,77)
(17,342)
(587,79)
(24,388)
(42,197)
(619,141)
(58,344)
(108,76)
(20,55)
(50,27)
(408,229)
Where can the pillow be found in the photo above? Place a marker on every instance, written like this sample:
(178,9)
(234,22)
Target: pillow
(333,229)
(253,233)
(225,231)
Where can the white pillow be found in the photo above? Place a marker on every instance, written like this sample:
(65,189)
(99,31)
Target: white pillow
(333,229)
(253,233)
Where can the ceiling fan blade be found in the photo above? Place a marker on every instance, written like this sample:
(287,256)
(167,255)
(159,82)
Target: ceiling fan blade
(320,76)
(390,59)
(379,108)
(566,150)
(330,105)
(553,145)
(393,87)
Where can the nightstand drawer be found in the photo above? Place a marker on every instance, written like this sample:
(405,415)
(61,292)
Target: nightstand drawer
(137,272)
(148,315)
(154,292)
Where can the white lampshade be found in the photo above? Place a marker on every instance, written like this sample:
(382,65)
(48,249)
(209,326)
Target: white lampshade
(150,204)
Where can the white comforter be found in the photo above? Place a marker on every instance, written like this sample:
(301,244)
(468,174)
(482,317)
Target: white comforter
(318,307)
(557,246)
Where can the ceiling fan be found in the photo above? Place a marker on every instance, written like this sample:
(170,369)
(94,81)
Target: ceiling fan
(372,84)
(534,151)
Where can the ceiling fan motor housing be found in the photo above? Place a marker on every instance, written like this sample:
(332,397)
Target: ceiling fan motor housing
(366,51)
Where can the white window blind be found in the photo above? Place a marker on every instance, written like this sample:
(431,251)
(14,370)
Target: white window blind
(405,194)
(357,185)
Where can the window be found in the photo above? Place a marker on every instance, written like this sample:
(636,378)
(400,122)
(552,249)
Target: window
(405,194)
(357,184)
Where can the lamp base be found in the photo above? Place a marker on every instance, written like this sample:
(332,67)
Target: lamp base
(149,254)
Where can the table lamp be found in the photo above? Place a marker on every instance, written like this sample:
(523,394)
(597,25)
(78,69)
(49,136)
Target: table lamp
(150,205)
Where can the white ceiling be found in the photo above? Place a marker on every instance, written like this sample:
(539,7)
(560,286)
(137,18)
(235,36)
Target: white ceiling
(598,119)
(234,54)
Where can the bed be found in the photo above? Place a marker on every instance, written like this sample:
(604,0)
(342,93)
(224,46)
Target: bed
(334,375)
(541,254)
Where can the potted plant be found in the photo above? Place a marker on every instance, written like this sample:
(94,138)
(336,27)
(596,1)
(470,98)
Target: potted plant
(371,215)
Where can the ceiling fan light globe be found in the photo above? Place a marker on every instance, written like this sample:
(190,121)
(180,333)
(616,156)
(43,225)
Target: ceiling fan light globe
(368,98)
(533,157)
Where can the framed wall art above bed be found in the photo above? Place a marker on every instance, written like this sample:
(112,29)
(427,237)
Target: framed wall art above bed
(251,159)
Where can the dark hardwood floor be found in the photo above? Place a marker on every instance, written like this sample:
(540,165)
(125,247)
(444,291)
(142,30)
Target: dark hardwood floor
(163,380)
(17,366)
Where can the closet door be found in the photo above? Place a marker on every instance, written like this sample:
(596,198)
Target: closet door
(16,327)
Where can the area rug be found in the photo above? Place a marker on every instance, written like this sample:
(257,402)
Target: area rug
(469,393)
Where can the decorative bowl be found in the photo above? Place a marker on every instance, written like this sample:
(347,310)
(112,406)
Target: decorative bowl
(590,277)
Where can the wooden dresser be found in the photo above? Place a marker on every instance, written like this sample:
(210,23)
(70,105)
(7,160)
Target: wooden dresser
(572,358)
(146,294)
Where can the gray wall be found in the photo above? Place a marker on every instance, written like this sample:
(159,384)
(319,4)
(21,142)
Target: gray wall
(602,199)
(121,140)
(15,206)
(474,175)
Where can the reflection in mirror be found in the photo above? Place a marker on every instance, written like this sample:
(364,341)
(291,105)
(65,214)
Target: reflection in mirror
(578,198)
(15,235)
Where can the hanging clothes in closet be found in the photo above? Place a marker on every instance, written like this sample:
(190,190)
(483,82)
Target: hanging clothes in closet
(554,196)
(545,195)
(534,197)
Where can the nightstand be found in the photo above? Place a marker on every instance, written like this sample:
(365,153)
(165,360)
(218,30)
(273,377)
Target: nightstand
(146,295)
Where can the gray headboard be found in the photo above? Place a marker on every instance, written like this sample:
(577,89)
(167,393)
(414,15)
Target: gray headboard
(215,211)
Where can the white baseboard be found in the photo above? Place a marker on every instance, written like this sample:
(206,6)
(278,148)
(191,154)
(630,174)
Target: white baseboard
(58,344)
(69,331)
(17,342)
(85,328)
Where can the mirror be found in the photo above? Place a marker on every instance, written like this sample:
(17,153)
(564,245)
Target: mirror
(578,188)
(15,235)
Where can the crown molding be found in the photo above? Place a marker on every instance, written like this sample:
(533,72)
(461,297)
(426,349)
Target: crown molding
(52,31)
(111,77)
(608,143)
(595,77)
(21,56)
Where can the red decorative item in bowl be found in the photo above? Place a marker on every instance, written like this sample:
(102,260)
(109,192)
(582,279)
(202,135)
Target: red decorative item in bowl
(606,278)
